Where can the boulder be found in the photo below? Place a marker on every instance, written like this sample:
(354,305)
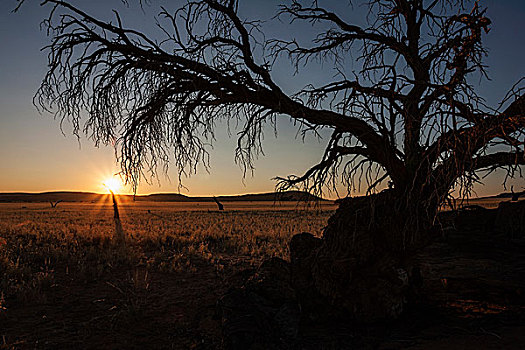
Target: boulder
(510,219)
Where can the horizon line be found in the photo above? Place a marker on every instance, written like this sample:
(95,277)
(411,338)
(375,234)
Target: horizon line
(207,195)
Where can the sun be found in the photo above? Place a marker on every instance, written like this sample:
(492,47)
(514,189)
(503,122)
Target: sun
(112,184)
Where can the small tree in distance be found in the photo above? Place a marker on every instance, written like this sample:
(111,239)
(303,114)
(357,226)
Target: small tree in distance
(405,114)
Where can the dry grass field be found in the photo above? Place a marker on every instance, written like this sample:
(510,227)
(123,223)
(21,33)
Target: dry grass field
(64,283)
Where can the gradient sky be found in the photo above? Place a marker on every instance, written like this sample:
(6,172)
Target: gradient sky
(36,155)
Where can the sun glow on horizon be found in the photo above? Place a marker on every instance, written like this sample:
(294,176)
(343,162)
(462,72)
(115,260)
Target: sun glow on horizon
(112,184)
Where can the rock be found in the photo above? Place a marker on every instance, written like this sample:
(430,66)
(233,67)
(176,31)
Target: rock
(302,245)
(475,218)
(510,219)
(314,307)
(302,251)
(272,281)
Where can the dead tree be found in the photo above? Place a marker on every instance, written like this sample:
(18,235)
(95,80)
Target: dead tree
(116,214)
(119,231)
(405,113)
(219,204)
(54,204)
(515,196)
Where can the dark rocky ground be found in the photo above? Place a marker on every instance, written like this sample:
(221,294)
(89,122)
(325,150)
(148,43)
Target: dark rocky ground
(471,295)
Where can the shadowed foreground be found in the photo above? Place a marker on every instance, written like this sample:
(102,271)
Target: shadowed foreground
(467,292)
(65,285)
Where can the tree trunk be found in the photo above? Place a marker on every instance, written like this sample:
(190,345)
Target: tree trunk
(363,263)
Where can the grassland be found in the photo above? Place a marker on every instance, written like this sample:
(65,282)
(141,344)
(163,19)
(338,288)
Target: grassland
(64,283)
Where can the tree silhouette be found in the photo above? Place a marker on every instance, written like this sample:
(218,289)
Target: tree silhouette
(120,237)
(407,114)
(54,204)
(219,204)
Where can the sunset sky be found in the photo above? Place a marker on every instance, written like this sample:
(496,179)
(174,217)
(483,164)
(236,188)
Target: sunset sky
(36,155)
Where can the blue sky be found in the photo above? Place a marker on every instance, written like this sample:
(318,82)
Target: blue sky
(38,156)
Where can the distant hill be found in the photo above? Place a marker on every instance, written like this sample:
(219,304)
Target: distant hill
(64,196)
(508,195)
(158,197)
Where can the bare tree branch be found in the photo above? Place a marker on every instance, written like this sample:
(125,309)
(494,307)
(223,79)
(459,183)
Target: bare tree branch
(406,113)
